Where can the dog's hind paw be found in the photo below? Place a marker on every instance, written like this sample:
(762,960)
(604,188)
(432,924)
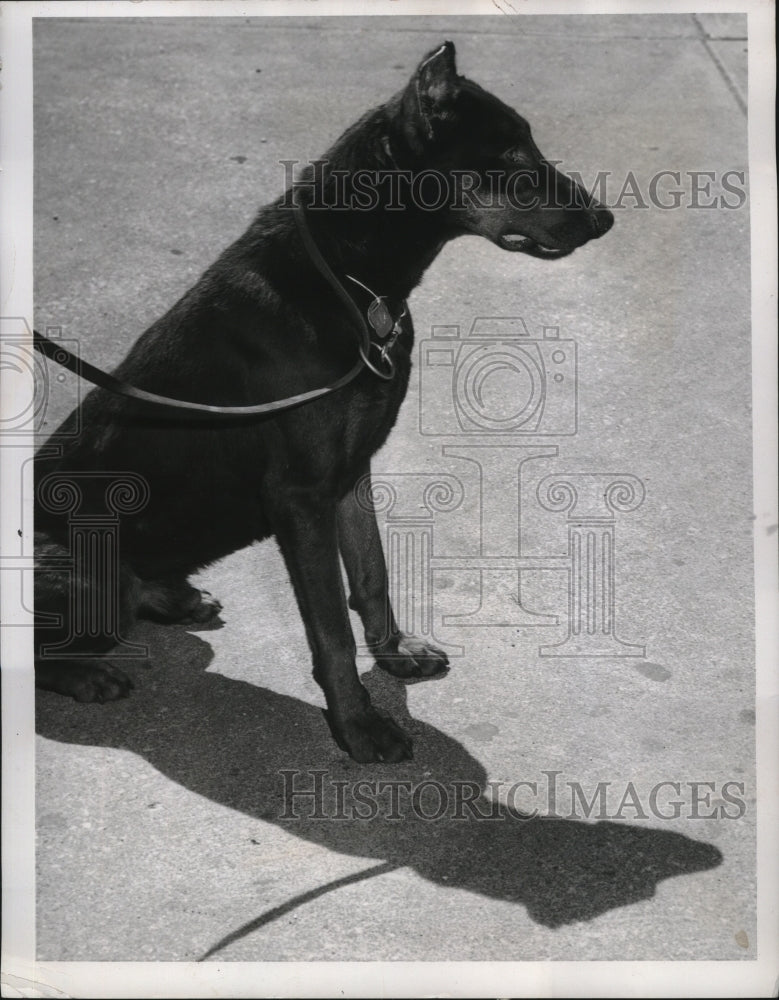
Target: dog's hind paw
(371,737)
(414,659)
(86,682)
(176,602)
(207,608)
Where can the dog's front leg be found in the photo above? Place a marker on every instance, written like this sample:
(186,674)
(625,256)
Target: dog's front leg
(360,542)
(307,534)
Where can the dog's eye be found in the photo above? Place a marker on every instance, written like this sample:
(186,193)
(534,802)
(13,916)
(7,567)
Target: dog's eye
(517,157)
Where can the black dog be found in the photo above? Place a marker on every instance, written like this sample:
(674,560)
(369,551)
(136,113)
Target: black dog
(270,319)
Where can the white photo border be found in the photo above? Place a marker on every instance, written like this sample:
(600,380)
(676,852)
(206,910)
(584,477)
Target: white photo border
(22,974)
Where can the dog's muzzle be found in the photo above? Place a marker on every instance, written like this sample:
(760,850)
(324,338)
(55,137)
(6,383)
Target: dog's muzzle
(598,222)
(523,244)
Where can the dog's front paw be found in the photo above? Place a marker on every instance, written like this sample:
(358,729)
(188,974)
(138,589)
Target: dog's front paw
(413,657)
(96,682)
(370,737)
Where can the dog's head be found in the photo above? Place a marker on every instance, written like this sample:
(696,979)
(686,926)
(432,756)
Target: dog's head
(499,184)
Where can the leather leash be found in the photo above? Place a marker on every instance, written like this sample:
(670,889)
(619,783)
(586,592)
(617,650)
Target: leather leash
(59,354)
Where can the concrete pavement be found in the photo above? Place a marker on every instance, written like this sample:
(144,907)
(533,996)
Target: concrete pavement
(161,829)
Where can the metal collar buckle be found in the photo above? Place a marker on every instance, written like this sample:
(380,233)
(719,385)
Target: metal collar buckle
(388,370)
(386,328)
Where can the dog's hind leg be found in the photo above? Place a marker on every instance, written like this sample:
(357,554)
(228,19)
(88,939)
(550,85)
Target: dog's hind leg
(176,600)
(305,528)
(58,593)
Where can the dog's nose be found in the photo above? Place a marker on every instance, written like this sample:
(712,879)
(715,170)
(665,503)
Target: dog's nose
(602,220)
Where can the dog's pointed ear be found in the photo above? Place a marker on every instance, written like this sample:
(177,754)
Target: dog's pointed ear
(430,94)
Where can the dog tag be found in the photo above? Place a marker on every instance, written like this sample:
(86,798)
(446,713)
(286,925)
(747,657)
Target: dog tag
(380,318)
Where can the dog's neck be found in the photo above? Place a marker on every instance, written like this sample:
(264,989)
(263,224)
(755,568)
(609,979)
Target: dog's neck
(387,251)
(386,248)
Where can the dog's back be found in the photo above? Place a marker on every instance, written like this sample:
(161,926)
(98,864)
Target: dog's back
(265,322)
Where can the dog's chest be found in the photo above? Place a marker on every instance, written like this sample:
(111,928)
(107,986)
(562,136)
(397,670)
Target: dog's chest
(372,411)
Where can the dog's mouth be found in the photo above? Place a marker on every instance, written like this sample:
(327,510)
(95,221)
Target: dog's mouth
(524,244)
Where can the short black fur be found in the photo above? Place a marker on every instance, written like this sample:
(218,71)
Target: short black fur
(263,323)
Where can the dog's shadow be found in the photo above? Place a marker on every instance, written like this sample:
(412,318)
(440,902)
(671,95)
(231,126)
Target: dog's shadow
(231,742)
